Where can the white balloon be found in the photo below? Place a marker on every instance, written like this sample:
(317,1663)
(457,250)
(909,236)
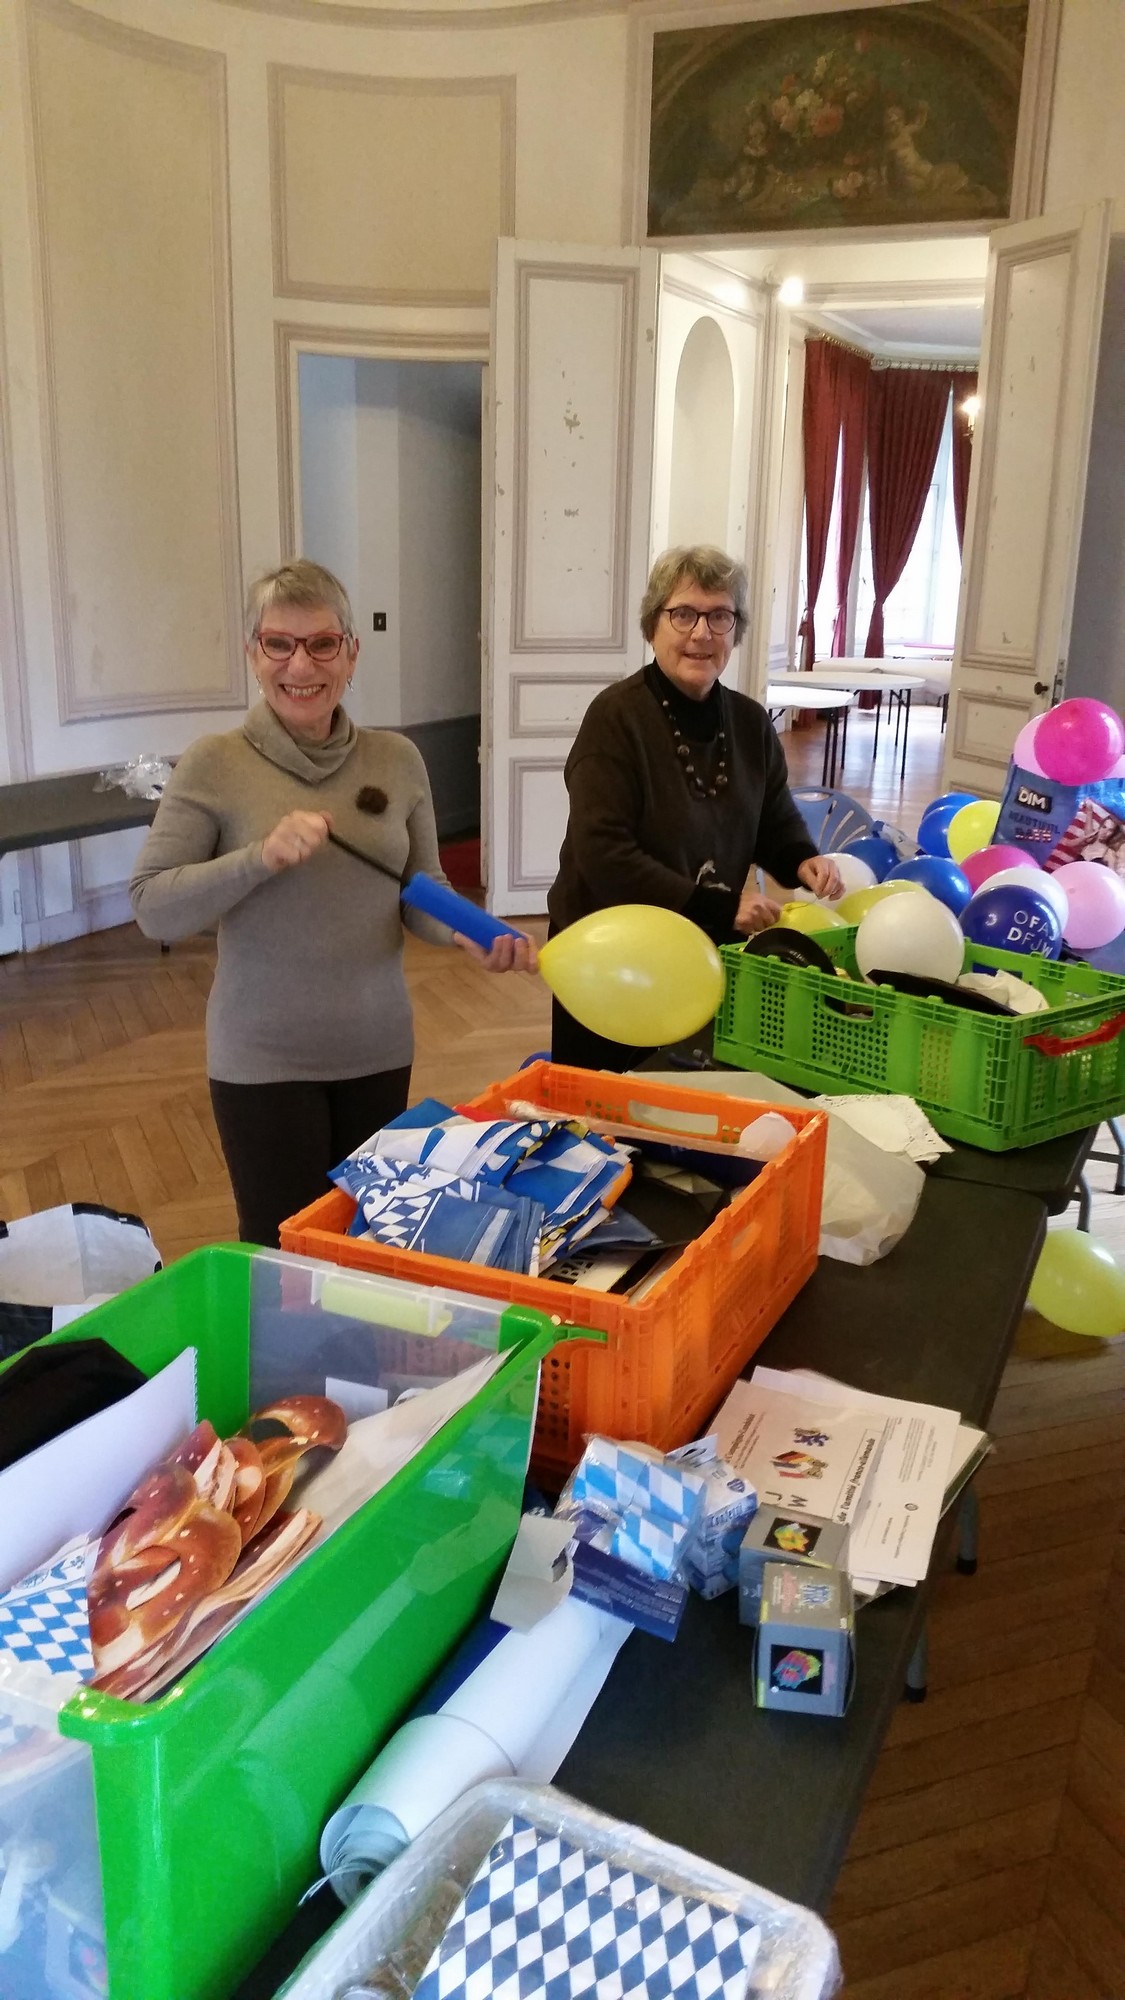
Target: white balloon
(911,934)
(855,873)
(1031,877)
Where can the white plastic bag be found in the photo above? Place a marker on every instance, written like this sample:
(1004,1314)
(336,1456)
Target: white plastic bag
(60,1262)
(870,1196)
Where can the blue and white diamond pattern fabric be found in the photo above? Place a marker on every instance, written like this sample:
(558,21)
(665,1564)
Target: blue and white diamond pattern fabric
(623,1476)
(44,1621)
(551,1179)
(545,1920)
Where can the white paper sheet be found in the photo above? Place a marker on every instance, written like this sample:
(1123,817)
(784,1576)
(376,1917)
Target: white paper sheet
(814,1459)
(75,1484)
(894,1534)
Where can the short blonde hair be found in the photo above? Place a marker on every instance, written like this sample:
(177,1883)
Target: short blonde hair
(708,568)
(302,583)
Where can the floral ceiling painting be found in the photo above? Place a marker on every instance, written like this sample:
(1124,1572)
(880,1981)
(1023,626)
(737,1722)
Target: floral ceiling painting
(875,116)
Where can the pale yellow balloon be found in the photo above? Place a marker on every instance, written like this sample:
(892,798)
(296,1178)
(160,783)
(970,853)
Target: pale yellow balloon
(854,908)
(810,917)
(635,973)
(972,828)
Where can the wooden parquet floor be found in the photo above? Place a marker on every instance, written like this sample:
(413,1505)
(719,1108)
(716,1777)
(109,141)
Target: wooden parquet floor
(989,1860)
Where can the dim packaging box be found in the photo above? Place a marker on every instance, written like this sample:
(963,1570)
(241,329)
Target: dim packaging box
(804,1658)
(775,1536)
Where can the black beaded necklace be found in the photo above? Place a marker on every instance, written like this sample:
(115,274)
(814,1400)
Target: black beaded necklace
(685,753)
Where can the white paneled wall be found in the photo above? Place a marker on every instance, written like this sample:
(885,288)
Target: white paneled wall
(185,189)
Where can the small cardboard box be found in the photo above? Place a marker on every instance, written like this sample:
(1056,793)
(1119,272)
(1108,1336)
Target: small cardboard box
(775,1536)
(804,1657)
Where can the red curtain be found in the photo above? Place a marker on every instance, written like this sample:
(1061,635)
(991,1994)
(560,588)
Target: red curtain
(854,375)
(964,383)
(821,445)
(905,414)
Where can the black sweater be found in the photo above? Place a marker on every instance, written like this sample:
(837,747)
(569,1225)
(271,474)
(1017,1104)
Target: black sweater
(638,830)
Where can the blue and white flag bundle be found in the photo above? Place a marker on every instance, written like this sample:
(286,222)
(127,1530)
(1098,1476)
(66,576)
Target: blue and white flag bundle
(543,1919)
(729,1506)
(649,1505)
(515,1194)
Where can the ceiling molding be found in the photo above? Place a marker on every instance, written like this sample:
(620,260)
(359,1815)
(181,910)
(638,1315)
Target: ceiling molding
(839,327)
(517,14)
(840,294)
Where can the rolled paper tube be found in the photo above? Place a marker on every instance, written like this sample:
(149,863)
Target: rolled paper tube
(438,900)
(492,1724)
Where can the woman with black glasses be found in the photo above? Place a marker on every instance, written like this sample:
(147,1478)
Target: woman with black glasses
(309,1031)
(678,786)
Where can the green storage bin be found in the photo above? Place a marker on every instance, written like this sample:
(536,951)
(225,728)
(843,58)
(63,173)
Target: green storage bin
(979,1077)
(210,1800)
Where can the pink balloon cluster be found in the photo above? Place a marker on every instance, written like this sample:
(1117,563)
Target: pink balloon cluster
(1077,742)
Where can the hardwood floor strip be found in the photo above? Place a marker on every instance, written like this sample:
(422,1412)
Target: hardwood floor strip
(993,1968)
(1055,1973)
(882,1941)
(988,1700)
(1009,1732)
(949,1803)
(1093,1935)
(955,1857)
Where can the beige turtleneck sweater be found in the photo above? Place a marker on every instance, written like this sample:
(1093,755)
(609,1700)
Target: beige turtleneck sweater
(309,984)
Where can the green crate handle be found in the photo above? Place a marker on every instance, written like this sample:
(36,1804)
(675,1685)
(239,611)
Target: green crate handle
(1064,1045)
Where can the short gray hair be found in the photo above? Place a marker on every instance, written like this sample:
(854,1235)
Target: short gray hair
(302,583)
(708,568)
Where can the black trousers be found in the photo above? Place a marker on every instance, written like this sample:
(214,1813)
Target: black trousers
(579,1046)
(279,1140)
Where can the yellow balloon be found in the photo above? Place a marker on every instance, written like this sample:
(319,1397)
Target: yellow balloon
(810,917)
(635,973)
(1079,1285)
(854,907)
(972,827)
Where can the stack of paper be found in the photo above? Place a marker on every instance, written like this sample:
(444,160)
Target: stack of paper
(806,1442)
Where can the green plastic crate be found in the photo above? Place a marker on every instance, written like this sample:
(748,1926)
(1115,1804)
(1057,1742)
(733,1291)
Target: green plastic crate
(978,1077)
(210,1800)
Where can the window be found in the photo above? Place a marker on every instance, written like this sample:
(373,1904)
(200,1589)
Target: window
(921,611)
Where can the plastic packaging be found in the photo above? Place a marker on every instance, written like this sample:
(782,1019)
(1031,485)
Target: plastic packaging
(439,901)
(384,1942)
(144,778)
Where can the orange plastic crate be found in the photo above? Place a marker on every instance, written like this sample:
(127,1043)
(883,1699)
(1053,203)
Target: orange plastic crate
(671,1358)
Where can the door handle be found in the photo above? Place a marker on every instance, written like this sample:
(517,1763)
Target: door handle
(1040,687)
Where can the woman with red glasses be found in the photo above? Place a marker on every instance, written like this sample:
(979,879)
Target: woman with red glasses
(309,1030)
(678,786)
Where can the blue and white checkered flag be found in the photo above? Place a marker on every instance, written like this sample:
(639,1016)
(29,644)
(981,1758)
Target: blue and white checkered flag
(545,1920)
(44,1620)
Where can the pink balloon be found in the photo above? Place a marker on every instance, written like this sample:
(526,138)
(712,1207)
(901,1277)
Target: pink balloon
(1118,770)
(1023,749)
(990,860)
(1079,742)
(1096,897)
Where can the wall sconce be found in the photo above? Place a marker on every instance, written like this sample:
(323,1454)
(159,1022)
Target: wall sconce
(970,410)
(791,292)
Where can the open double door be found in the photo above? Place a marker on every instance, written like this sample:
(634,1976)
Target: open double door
(573,436)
